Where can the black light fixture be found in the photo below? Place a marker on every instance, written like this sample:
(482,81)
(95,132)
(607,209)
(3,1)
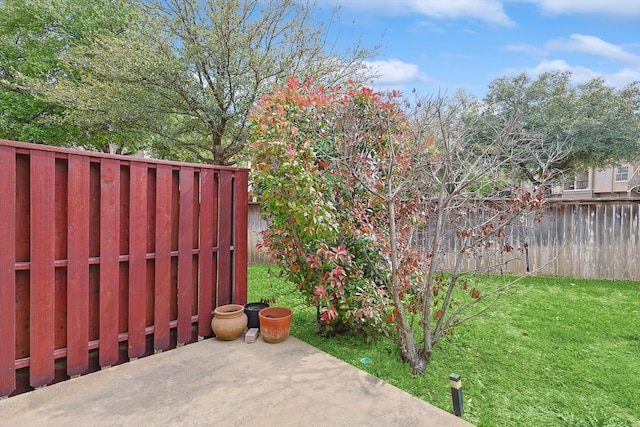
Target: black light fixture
(456,394)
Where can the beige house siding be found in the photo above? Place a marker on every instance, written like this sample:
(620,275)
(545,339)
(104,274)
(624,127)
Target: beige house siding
(602,184)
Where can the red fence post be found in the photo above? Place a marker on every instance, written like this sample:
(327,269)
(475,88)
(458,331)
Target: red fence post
(78,266)
(162,309)
(42,283)
(240,247)
(185,254)
(7,270)
(137,259)
(109,260)
(225,236)
(207,279)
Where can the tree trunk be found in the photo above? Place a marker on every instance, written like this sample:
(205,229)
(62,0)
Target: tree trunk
(418,360)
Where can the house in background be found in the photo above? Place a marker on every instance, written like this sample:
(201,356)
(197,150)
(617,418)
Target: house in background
(620,182)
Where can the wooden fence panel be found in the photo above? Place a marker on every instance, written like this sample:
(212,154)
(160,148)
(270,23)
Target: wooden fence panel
(588,239)
(162,312)
(225,231)
(622,239)
(137,260)
(42,284)
(634,237)
(241,214)
(257,223)
(185,257)
(606,267)
(207,290)
(109,257)
(7,270)
(78,266)
(109,261)
(22,257)
(60,259)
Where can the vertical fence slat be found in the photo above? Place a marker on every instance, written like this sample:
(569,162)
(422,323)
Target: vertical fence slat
(607,220)
(61,226)
(634,244)
(42,279)
(109,260)
(22,254)
(241,217)
(137,259)
(216,231)
(78,266)
(622,241)
(225,230)
(557,238)
(162,258)
(7,270)
(600,215)
(207,181)
(185,254)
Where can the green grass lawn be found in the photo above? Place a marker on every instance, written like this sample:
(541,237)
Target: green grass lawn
(553,352)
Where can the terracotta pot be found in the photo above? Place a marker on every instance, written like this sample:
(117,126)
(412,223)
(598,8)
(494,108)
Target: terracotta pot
(275,323)
(229,322)
(251,310)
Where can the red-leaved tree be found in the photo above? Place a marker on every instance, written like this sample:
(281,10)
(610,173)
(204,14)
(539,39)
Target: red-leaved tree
(312,233)
(383,211)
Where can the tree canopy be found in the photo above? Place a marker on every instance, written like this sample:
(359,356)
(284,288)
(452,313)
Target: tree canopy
(187,71)
(33,36)
(599,126)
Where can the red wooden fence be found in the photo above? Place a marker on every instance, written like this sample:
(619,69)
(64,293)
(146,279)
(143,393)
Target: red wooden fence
(106,258)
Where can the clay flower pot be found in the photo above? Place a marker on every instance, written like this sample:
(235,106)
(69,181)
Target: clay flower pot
(229,322)
(251,310)
(275,323)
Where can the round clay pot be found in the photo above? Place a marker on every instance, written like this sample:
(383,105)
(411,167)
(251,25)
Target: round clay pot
(275,323)
(229,322)
(251,310)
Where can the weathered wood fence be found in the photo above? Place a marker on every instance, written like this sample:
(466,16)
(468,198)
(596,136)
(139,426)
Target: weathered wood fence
(106,258)
(584,239)
(593,240)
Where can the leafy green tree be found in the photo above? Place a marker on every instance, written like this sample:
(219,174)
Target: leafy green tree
(597,125)
(33,35)
(378,212)
(194,68)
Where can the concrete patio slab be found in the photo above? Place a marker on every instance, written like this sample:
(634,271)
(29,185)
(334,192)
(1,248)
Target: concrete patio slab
(226,384)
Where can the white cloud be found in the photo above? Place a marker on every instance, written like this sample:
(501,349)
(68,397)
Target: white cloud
(594,46)
(580,74)
(622,77)
(491,11)
(621,8)
(396,74)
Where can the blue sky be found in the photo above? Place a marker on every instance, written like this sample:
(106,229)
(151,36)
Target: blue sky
(441,45)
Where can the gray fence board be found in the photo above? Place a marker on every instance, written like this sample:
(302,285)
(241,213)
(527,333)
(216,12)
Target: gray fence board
(595,240)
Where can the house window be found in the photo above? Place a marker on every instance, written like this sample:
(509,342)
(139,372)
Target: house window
(582,181)
(622,173)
